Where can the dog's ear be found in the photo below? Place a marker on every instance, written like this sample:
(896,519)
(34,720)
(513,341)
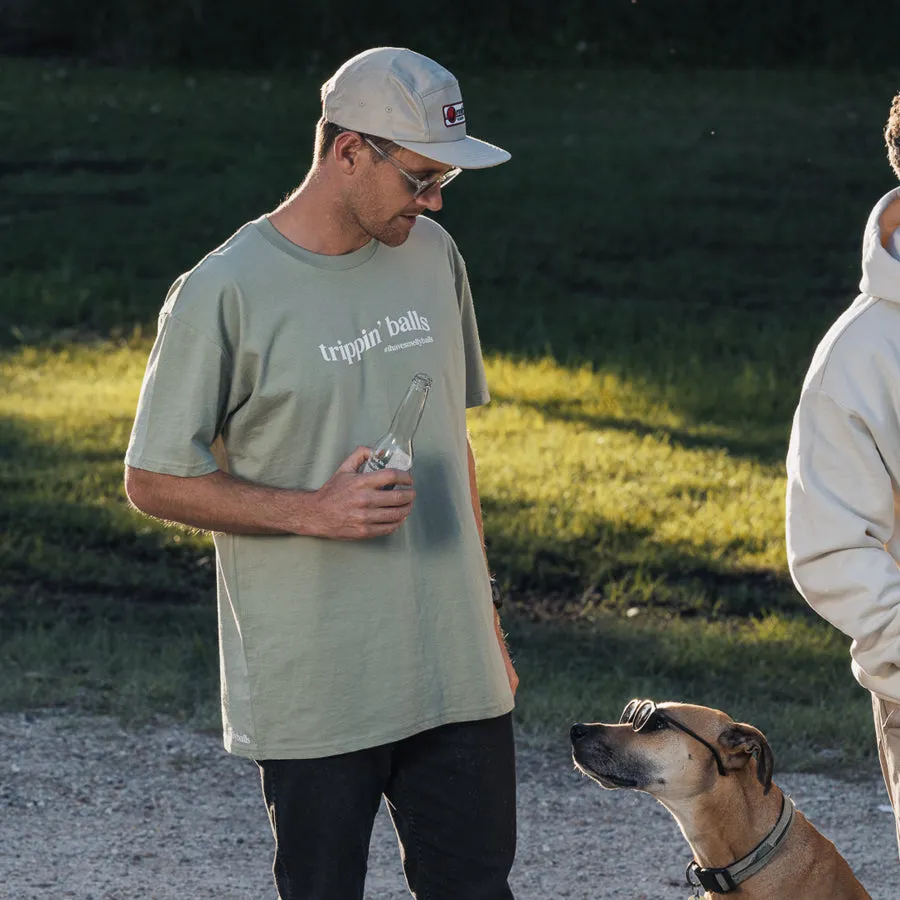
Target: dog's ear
(744,741)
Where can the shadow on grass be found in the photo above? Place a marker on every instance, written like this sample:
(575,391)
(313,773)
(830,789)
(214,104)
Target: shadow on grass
(763,450)
(616,568)
(99,609)
(68,538)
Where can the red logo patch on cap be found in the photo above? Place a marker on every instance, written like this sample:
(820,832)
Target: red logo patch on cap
(454,114)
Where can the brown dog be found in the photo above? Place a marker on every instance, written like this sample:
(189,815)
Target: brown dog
(715,776)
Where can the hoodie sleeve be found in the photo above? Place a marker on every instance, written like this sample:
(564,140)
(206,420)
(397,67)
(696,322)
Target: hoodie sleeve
(840,514)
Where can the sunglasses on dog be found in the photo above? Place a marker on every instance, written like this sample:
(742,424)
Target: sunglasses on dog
(645,715)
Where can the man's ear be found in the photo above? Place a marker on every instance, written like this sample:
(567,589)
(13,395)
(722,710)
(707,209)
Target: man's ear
(743,742)
(346,149)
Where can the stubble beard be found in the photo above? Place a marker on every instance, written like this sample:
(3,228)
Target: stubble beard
(391,232)
(370,218)
(394,234)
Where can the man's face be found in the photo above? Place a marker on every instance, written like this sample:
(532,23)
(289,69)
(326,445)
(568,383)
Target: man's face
(383,200)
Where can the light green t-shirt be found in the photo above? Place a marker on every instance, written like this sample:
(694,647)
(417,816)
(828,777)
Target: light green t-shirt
(275,363)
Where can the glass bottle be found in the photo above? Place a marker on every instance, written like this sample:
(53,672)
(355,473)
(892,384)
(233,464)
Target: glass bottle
(394,449)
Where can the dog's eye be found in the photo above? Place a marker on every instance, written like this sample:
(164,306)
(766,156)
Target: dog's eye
(657,723)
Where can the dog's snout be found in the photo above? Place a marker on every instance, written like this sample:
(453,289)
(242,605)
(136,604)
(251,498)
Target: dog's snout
(578,731)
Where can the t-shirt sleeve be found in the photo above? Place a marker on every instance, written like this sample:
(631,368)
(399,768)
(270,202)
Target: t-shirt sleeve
(477,393)
(182,402)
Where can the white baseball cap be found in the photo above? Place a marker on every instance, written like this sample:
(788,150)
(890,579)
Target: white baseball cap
(394,93)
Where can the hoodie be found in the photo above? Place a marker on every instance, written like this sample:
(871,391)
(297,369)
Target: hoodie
(843,471)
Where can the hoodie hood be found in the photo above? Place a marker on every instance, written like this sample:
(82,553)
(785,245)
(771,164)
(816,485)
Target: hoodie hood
(881,271)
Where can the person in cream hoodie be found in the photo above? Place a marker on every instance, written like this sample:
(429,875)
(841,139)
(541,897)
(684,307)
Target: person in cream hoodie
(843,475)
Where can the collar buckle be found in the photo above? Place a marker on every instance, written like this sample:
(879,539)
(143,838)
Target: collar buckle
(727,879)
(718,881)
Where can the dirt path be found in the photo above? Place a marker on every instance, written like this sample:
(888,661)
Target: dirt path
(90,812)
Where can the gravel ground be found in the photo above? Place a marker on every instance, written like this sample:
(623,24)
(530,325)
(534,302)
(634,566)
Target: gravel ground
(92,812)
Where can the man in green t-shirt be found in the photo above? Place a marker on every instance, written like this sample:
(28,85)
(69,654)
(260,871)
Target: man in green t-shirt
(360,653)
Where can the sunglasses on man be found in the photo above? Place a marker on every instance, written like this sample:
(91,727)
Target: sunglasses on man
(418,185)
(645,715)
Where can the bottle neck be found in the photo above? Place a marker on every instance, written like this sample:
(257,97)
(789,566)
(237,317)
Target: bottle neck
(406,419)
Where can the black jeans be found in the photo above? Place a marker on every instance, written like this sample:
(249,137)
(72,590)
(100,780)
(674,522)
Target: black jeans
(450,792)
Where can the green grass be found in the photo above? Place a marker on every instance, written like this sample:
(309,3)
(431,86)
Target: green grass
(651,273)
(597,493)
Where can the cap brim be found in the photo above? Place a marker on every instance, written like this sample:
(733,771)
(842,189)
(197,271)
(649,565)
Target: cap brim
(468,153)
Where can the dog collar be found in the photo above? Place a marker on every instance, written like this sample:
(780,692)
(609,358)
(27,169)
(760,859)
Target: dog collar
(726,879)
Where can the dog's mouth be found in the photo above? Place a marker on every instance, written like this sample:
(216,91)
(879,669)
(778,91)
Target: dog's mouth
(609,780)
(596,753)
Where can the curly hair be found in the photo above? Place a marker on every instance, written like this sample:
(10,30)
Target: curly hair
(892,135)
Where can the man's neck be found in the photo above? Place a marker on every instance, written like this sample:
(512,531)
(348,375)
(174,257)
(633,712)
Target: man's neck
(314,219)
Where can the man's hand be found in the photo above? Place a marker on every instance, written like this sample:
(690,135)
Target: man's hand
(511,673)
(352,506)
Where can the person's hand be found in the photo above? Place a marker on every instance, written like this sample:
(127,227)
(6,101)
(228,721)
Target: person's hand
(511,673)
(353,506)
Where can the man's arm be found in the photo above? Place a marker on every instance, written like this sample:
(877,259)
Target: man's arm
(476,508)
(349,506)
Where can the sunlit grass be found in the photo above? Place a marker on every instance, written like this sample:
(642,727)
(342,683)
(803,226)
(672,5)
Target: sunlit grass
(77,396)
(66,531)
(591,485)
